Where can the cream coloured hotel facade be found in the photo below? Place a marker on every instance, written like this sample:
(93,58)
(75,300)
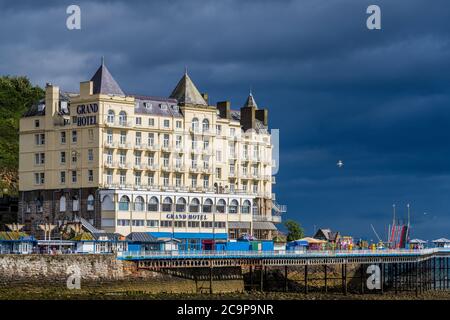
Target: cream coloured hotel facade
(174,167)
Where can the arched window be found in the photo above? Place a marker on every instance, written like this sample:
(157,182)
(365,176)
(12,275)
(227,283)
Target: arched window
(195,125)
(153,204)
(167,204)
(122,118)
(62,204)
(221,206)
(111,116)
(75,203)
(194,206)
(205,125)
(246,207)
(90,203)
(207,206)
(233,207)
(124,203)
(107,203)
(139,204)
(181,205)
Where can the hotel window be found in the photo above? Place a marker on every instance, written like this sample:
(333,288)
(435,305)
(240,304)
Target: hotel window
(233,207)
(122,118)
(165,160)
(90,155)
(178,180)
(109,156)
(139,204)
(232,169)
(246,207)
(39,139)
(152,223)
(193,162)
(165,179)
(138,138)
(180,224)
(219,224)
(166,123)
(122,177)
(205,144)
(205,162)
(151,159)
(194,125)
(245,186)
(151,122)
(178,161)
(181,205)
(138,223)
(124,203)
(166,223)
(91,135)
(219,173)
(221,205)
(194,206)
(232,150)
(138,121)
(232,188)
(39,158)
(111,116)
(36,123)
(90,175)
(123,137)
(194,181)
(137,178)
(150,179)
(151,139)
(90,203)
(166,141)
(218,155)
(244,170)
(137,158)
(75,203)
(255,188)
(255,169)
(109,137)
(74,176)
(122,157)
(207,224)
(232,132)
(245,151)
(205,125)
(74,156)
(207,206)
(205,181)
(193,224)
(153,204)
(218,129)
(167,204)
(39,178)
(109,177)
(178,124)
(178,141)
(62,204)
(62,177)
(63,137)
(123,222)
(74,136)
(194,143)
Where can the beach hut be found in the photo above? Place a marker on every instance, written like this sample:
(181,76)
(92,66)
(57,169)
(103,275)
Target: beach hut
(279,244)
(442,243)
(417,244)
(297,246)
(144,241)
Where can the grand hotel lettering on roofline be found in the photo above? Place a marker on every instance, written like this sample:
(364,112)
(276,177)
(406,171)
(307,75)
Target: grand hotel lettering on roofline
(174,167)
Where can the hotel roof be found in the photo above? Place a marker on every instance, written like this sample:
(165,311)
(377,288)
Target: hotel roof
(186,92)
(104,82)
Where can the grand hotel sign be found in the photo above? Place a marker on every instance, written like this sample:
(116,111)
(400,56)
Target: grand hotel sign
(87,114)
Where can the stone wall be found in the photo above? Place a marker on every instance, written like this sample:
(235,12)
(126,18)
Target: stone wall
(107,274)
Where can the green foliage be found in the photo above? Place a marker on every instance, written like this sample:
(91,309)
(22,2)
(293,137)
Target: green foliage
(17,94)
(295,230)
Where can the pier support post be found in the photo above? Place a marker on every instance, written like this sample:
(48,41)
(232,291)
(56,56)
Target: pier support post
(251,278)
(417,278)
(261,279)
(344,278)
(211,279)
(382,277)
(361,277)
(306,279)
(326,277)
(395,277)
(286,278)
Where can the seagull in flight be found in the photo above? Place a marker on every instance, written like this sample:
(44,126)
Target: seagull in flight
(340,164)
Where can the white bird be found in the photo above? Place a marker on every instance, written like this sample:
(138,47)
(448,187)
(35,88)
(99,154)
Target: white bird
(340,164)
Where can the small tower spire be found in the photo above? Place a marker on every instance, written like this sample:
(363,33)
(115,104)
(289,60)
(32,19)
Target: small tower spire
(185,70)
(103,60)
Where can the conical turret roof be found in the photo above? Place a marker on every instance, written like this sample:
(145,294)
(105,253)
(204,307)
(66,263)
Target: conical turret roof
(104,82)
(250,102)
(186,92)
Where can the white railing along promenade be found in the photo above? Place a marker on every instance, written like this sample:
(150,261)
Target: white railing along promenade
(276,254)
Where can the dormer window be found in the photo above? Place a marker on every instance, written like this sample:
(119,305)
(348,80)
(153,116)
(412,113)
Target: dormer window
(147,105)
(163,106)
(175,108)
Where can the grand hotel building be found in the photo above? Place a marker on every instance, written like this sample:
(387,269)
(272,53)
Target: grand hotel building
(174,167)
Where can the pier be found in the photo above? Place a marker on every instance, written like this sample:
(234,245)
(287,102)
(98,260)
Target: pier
(375,270)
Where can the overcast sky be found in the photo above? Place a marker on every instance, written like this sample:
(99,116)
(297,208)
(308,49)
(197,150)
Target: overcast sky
(377,100)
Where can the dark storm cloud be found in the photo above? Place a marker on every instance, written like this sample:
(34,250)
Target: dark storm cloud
(378,100)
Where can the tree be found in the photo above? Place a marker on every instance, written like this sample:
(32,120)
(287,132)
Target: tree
(17,94)
(295,230)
